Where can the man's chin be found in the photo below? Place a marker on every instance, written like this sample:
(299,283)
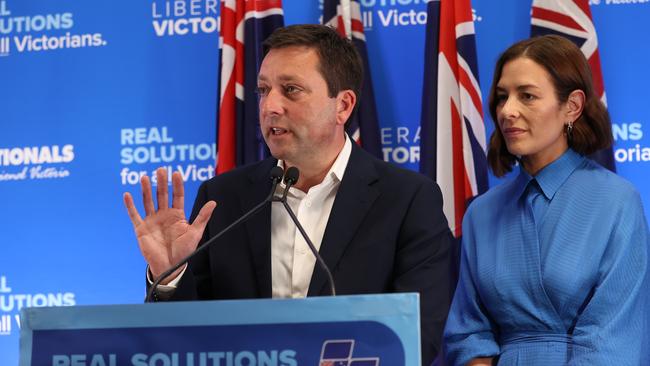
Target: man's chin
(280,154)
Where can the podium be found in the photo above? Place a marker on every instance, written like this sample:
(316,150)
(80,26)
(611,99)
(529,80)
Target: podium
(361,330)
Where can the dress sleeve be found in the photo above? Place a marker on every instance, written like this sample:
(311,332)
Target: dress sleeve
(613,327)
(469,332)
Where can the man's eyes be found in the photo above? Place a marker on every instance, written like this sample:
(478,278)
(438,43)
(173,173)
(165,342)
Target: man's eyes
(286,89)
(262,90)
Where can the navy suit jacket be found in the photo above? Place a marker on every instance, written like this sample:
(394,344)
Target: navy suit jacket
(386,233)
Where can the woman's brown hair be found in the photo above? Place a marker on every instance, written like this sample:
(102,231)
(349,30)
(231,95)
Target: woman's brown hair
(569,71)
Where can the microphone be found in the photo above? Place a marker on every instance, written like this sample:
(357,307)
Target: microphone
(276,177)
(290,178)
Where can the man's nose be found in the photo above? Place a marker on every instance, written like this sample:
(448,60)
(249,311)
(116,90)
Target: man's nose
(271,103)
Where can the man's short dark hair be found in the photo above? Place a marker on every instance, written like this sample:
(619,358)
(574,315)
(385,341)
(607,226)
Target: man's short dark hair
(339,62)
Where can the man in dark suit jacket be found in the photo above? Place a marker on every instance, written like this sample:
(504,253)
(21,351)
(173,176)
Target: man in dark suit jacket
(382,228)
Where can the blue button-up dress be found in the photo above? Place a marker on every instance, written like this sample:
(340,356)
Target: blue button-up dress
(554,271)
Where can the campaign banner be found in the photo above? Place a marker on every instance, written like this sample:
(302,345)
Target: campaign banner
(96,94)
(347,330)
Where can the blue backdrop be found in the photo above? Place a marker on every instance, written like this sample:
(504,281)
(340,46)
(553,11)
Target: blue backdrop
(95,93)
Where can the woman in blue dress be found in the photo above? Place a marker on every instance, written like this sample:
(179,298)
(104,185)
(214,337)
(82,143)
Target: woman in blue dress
(554,262)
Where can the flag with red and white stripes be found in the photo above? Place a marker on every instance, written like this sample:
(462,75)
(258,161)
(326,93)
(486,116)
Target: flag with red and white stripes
(363,126)
(572,19)
(453,141)
(244,26)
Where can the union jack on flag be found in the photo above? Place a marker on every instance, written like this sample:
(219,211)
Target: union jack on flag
(453,143)
(244,26)
(363,126)
(572,19)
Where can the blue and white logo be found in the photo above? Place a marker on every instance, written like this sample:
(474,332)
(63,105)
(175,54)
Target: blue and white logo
(339,352)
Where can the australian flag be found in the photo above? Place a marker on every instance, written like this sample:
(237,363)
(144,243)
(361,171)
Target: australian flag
(363,126)
(572,19)
(244,26)
(453,143)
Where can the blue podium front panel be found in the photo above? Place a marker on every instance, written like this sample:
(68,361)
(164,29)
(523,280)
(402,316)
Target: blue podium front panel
(346,331)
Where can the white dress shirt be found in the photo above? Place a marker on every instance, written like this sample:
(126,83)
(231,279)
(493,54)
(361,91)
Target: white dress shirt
(292,262)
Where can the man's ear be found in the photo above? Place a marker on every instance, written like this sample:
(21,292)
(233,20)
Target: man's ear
(345,102)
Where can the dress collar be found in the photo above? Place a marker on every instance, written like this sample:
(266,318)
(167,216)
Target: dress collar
(552,176)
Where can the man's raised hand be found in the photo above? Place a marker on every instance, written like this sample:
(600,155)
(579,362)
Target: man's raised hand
(164,235)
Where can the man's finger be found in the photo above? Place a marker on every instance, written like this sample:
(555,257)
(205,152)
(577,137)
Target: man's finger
(178,192)
(130,208)
(161,189)
(147,199)
(203,217)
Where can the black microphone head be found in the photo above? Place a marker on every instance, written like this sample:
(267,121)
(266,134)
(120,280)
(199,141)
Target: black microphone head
(291,176)
(276,174)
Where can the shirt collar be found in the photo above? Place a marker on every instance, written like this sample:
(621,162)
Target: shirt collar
(552,176)
(338,168)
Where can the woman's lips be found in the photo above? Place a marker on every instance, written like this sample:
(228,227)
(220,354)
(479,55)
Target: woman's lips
(513,131)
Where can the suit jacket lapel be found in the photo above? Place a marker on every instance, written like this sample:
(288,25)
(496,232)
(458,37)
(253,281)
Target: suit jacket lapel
(258,227)
(354,198)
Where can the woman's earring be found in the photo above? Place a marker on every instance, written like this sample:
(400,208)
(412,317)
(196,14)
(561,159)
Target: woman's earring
(569,129)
